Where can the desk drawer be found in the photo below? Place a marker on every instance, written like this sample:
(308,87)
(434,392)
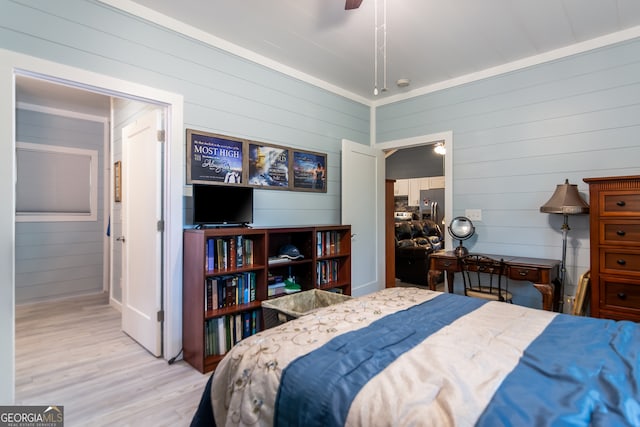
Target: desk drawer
(620,232)
(619,293)
(619,261)
(523,273)
(620,203)
(444,263)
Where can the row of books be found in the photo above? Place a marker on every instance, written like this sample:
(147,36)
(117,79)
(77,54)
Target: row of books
(275,285)
(229,290)
(327,271)
(327,243)
(222,333)
(228,253)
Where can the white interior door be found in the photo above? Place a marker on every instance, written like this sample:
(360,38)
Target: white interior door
(142,235)
(363,208)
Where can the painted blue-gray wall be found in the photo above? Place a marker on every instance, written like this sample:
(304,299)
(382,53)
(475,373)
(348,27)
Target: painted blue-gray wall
(223,93)
(518,135)
(57,259)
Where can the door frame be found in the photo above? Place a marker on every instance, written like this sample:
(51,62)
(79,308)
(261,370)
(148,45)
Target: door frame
(430,139)
(12,63)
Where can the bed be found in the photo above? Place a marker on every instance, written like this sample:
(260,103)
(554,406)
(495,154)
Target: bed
(409,356)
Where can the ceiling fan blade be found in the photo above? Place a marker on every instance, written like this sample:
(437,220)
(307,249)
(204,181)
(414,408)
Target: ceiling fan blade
(352,4)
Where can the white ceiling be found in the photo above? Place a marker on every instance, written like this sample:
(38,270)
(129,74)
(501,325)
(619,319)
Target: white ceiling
(428,41)
(433,43)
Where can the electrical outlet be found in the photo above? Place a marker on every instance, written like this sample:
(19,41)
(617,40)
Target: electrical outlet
(473,214)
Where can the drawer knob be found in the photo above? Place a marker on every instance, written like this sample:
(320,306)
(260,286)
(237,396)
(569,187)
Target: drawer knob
(523,272)
(447,264)
(620,232)
(621,262)
(622,295)
(621,203)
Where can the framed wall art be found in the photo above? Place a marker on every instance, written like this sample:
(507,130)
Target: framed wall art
(268,166)
(309,171)
(117,181)
(213,158)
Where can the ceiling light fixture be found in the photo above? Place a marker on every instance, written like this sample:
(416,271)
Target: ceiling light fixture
(380,29)
(439,148)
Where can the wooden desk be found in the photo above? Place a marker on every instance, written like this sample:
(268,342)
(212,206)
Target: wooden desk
(541,272)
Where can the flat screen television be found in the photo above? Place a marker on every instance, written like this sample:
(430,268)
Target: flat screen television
(215,205)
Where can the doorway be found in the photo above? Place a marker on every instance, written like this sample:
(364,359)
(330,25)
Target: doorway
(14,64)
(430,140)
(69,119)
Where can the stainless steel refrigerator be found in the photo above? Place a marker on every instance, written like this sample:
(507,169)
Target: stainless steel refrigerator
(432,205)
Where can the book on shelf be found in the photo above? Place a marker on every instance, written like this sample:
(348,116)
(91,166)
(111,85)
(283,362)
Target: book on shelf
(228,253)
(211,254)
(222,333)
(275,289)
(221,254)
(239,251)
(233,253)
(248,251)
(230,290)
(327,243)
(327,271)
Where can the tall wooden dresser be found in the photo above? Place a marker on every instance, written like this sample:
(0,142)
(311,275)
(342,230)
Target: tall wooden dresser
(615,247)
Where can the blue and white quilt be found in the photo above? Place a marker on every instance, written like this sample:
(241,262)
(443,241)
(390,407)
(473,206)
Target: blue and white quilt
(413,357)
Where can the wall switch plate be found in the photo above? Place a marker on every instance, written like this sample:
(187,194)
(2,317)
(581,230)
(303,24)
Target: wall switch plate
(473,214)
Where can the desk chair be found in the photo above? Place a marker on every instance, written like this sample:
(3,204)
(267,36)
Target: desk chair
(484,278)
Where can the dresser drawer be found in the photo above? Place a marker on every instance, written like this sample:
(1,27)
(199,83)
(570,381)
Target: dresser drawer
(619,293)
(620,203)
(620,232)
(620,261)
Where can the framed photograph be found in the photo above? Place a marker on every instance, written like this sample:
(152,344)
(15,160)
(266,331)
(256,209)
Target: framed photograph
(213,158)
(309,171)
(268,166)
(117,181)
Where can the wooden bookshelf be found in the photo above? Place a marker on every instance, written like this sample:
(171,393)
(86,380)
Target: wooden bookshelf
(199,273)
(332,258)
(216,299)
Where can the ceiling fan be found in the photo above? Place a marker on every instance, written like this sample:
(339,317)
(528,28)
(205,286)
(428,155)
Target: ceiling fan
(352,4)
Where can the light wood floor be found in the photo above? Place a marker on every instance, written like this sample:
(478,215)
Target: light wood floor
(73,353)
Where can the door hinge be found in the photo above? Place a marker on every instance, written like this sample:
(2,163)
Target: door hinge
(161,225)
(161,135)
(161,316)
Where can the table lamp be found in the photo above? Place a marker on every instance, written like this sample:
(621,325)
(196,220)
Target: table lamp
(566,201)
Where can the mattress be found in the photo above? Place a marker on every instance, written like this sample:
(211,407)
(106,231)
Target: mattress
(409,356)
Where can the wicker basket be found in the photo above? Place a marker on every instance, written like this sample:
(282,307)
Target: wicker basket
(280,310)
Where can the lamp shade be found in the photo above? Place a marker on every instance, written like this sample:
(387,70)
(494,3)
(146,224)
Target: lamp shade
(566,200)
